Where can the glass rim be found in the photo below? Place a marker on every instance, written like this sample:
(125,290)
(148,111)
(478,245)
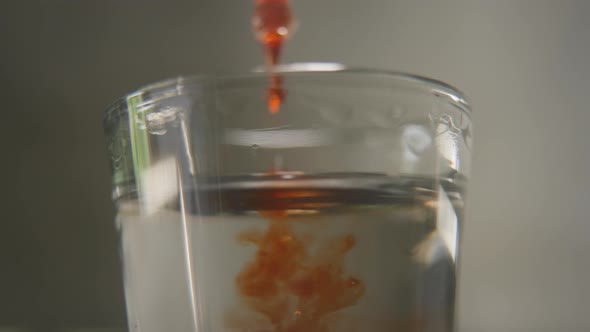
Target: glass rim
(307,69)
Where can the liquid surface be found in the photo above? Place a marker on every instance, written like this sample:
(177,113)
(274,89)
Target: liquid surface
(295,253)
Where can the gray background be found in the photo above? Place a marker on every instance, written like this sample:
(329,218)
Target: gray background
(524,63)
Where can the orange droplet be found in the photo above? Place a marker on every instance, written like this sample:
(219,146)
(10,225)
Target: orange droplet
(275,99)
(276,94)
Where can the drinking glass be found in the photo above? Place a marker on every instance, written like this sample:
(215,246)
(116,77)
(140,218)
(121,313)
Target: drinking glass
(339,211)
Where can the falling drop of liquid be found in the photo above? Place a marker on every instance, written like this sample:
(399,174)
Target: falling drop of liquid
(276,94)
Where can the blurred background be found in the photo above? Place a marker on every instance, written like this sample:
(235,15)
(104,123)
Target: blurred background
(523,63)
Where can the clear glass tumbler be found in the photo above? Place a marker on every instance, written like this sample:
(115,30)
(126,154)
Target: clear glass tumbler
(341,212)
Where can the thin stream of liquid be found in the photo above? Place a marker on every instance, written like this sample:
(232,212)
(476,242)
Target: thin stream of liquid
(293,287)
